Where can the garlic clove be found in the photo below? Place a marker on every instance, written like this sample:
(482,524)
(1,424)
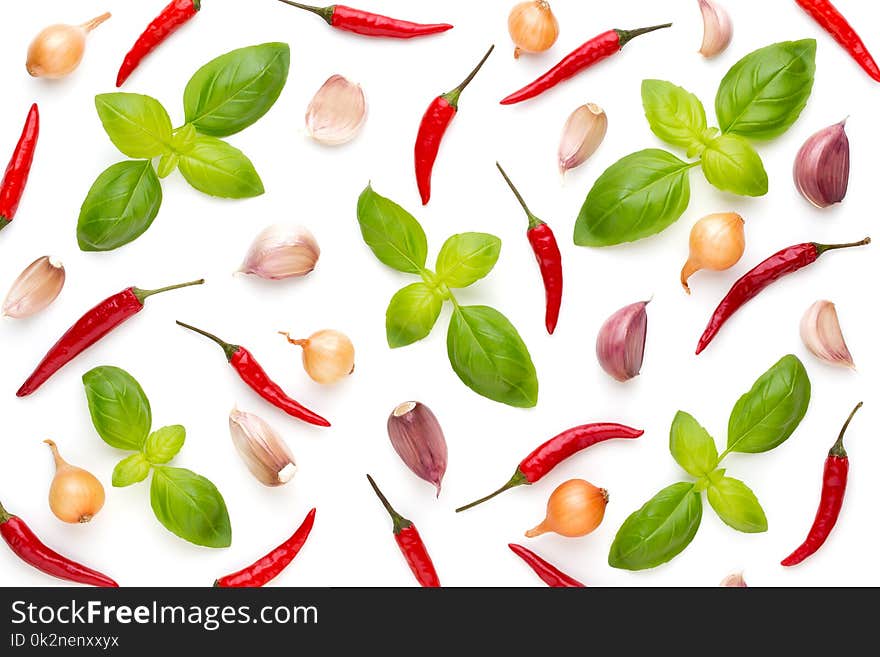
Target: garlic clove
(280,252)
(35,288)
(620,346)
(337,112)
(418,440)
(734,581)
(263,451)
(717,28)
(821,168)
(822,335)
(582,135)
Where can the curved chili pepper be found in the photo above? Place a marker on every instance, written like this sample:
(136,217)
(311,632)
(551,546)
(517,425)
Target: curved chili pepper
(269,567)
(369,24)
(786,261)
(91,327)
(434,124)
(32,551)
(549,574)
(593,51)
(549,258)
(252,373)
(833,490)
(175,15)
(16,176)
(553,452)
(833,22)
(410,544)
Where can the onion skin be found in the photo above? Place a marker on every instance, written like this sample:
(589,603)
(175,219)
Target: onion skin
(57,51)
(75,496)
(575,509)
(533,27)
(717,242)
(328,356)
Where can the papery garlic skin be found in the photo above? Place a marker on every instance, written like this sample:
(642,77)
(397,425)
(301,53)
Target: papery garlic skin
(281,252)
(821,168)
(717,28)
(620,346)
(418,439)
(35,288)
(734,581)
(337,112)
(822,335)
(582,135)
(263,451)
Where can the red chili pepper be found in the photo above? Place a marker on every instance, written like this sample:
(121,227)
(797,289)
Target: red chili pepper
(368,24)
(252,373)
(593,51)
(90,328)
(833,22)
(550,574)
(751,284)
(434,124)
(175,15)
(556,450)
(16,176)
(31,550)
(410,544)
(549,258)
(269,567)
(833,489)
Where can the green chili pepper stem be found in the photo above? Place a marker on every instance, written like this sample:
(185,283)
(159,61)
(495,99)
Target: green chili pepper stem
(143,295)
(324,12)
(625,36)
(453,96)
(822,248)
(5,516)
(400,523)
(837,449)
(518,479)
(229,349)
(534,222)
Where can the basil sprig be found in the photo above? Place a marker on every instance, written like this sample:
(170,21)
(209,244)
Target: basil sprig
(762,419)
(223,98)
(644,193)
(485,350)
(187,504)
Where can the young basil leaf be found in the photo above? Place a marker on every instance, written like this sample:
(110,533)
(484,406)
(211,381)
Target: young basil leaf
(137,125)
(411,315)
(466,258)
(119,207)
(130,470)
(490,357)
(167,164)
(732,165)
(691,445)
(764,93)
(164,444)
(767,415)
(638,196)
(392,233)
(214,167)
(190,506)
(184,138)
(119,407)
(737,506)
(234,91)
(675,115)
(660,530)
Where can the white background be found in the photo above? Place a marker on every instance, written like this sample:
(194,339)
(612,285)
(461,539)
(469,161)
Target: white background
(188,381)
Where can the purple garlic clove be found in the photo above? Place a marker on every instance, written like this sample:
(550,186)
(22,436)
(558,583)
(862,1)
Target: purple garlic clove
(620,346)
(821,168)
(418,439)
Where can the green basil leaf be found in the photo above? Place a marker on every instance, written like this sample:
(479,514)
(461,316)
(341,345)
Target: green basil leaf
(164,444)
(411,315)
(119,407)
(660,530)
(119,207)
(130,470)
(466,258)
(737,506)
(691,445)
(732,165)
(137,125)
(190,506)
(234,91)
(184,138)
(214,167)
(675,115)
(490,357)
(392,233)
(638,196)
(764,93)
(167,164)
(767,415)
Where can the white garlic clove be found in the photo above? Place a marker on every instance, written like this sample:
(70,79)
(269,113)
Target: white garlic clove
(717,28)
(734,581)
(337,112)
(280,252)
(35,288)
(620,346)
(821,168)
(582,135)
(822,335)
(263,451)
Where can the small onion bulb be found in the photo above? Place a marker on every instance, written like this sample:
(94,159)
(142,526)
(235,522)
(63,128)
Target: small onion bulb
(328,356)
(717,243)
(575,509)
(58,50)
(533,27)
(75,495)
